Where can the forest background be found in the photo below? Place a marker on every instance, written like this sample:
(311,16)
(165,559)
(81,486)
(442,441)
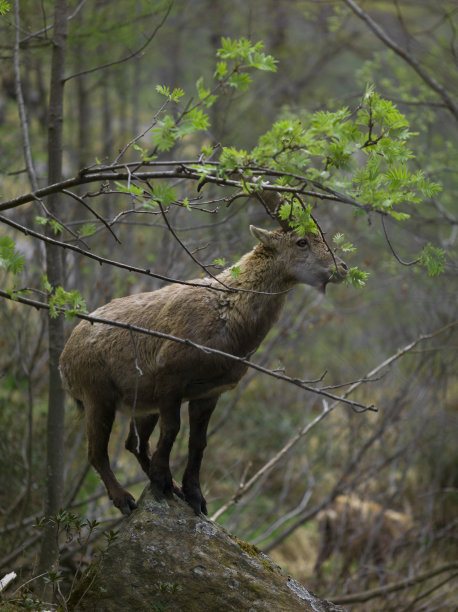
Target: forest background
(280,458)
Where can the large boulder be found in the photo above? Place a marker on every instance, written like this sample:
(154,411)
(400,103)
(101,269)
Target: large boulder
(167,558)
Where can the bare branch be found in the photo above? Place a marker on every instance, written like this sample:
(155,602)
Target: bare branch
(200,347)
(396,256)
(395,586)
(128,57)
(101,260)
(94,212)
(242,490)
(407,57)
(21,105)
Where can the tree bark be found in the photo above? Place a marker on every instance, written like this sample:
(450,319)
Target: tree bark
(54,267)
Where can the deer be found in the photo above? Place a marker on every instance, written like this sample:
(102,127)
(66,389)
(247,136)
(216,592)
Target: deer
(105,369)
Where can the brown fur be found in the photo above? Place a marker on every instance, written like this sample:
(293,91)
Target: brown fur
(98,364)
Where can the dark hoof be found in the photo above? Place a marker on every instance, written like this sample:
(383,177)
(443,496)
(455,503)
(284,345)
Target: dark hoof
(126,504)
(163,484)
(196,500)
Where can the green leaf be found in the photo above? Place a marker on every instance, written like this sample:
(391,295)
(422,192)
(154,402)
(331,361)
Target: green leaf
(163,134)
(204,94)
(4,7)
(60,300)
(235,271)
(221,70)
(345,247)
(239,80)
(55,226)
(133,189)
(433,259)
(356,278)
(192,121)
(173,96)
(220,262)
(163,193)
(10,259)
(87,229)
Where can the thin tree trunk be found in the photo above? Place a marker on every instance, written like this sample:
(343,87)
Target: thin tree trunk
(54,265)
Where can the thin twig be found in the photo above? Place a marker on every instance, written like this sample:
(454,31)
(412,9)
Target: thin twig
(138,373)
(94,212)
(28,232)
(396,256)
(407,57)
(21,105)
(325,411)
(184,247)
(127,57)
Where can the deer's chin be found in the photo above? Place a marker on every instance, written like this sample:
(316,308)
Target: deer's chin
(322,288)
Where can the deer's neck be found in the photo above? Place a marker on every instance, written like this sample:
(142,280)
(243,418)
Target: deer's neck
(256,302)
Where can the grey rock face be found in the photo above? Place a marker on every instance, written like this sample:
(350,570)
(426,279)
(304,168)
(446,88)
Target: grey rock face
(167,558)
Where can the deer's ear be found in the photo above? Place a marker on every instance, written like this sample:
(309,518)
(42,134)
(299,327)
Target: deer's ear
(262,235)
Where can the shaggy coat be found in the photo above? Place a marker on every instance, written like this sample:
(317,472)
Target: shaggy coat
(107,368)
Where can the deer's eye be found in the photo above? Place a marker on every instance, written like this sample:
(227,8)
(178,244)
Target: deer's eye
(302,243)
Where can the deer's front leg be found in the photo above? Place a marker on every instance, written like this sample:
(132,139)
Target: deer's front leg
(159,468)
(200,412)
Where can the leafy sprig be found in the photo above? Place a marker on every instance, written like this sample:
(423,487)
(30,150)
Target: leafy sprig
(69,302)
(10,258)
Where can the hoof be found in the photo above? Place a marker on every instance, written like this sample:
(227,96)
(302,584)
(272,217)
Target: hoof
(163,485)
(126,504)
(196,500)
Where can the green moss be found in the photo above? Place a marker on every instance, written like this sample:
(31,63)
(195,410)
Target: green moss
(253,551)
(268,565)
(250,549)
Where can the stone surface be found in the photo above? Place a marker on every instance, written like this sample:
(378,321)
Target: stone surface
(167,558)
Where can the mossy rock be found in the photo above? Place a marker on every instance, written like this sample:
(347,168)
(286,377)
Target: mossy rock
(167,558)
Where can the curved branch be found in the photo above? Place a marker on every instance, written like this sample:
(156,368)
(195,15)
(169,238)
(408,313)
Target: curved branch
(181,171)
(246,486)
(396,256)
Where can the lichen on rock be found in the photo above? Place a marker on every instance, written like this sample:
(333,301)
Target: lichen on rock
(166,557)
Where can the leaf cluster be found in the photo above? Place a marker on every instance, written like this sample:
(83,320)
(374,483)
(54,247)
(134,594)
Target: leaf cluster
(60,300)
(237,57)
(10,258)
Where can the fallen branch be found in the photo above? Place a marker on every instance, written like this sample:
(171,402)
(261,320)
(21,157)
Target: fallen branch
(394,586)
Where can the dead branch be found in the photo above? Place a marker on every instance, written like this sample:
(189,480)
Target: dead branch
(395,586)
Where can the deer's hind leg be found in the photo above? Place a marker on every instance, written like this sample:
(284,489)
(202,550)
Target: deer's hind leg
(99,421)
(137,441)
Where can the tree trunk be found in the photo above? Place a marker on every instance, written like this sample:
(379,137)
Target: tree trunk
(54,266)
